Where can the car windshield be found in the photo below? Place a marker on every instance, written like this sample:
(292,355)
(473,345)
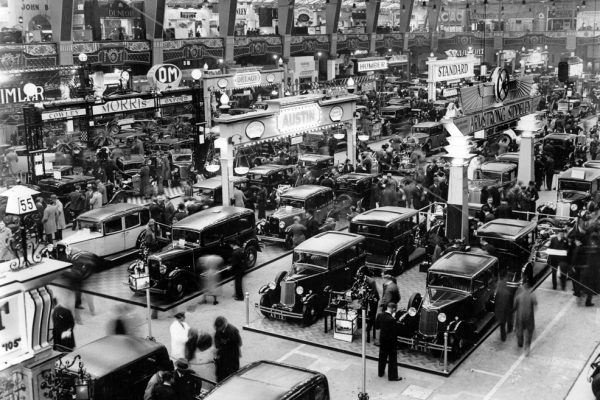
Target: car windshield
(580,186)
(377,232)
(93,226)
(497,176)
(255,177)
(305,262)
(294,203)
(449,281)
(181,158)
(189,236)
(206,192)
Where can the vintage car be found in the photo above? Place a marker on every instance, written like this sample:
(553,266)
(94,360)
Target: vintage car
(176,269)
(122,375)
(517,246)
(317,164)
(576,187)
(562,145)
(270,176)
(351,189)
(130,165)
(491,174)
(395,112)
(459,295)
(297,201)
(390,237)
(430,136)
(209,193)
(327,261)
(183,161)
(594,164)
(103,236)
(268,380)
(511,157)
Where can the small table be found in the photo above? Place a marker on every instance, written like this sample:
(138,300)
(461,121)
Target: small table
(329,321)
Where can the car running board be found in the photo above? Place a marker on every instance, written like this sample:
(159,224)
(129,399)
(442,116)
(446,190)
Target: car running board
(123,254)
(483,323)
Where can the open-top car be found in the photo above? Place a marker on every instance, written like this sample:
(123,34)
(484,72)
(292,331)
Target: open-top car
(351,189)
(316,164)
(457,301)
(327,261)
(296,201)
(576,187)
(390,236)
(103,236)
(177,268)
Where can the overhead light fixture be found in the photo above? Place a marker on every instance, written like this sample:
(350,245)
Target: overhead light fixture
(205,67)
(196,74)
(467,6)
(353,5)
(338,135)
(212,167)
(363,138)
(82,57)
(403,7)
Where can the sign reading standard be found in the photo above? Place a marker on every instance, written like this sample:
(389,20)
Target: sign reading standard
(445,71)
(299,118)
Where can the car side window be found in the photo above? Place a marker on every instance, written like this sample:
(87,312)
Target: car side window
(244,223)
(144,216)
(132,220)
(213,235)
(113,225)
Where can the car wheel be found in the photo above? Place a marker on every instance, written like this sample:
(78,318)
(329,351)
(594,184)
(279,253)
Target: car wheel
(250,256)
(398,267)
(84,269)
(176,289)
(310,313)
(414,301)
(265,301)
(461,339)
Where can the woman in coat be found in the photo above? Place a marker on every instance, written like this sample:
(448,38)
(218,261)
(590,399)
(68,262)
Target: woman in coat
(49,220)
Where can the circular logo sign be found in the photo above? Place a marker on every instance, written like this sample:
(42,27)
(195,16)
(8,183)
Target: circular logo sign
(222,83)
(270,78)
(500,79)
(255,130)
(336,113)
(164,76)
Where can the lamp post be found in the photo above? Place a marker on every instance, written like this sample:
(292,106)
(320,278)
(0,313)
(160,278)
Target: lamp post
(226,161)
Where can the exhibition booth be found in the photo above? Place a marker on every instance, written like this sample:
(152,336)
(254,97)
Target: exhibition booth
(448,72)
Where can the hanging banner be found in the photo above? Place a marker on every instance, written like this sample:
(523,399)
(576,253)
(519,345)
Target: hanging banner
(124,105)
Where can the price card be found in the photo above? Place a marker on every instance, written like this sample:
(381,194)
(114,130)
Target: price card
(26,204)
(13,330)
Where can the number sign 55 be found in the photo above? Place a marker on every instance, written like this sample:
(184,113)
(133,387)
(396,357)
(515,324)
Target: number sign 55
(26,205)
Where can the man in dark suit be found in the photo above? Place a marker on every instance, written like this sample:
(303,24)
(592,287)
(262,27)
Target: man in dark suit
(388,343)
(165,390)
(63,323)
(503,306)
(184,383)
(391,294)
(312,226)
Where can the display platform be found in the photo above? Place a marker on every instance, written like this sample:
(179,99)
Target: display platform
(112,283)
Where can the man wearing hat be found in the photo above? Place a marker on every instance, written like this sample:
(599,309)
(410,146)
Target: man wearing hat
(388,338)
(184,383)
(227,342)
(179,335)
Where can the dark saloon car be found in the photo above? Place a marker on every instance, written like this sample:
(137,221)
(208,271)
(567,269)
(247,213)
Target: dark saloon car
(297,201)
(576,187)
(460,289)
(327,261)
(130,165)
(209,193)
(62,187)
(268,380)
(317,164)
(270,176)
(176,268)
(560,146)
(352,188)
(390,236)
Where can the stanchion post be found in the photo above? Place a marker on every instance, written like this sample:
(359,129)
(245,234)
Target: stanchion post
(247,300)
(445,352)
(148,304)
(363,394)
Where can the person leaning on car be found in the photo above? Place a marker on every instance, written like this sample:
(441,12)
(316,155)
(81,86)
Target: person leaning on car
(150,239)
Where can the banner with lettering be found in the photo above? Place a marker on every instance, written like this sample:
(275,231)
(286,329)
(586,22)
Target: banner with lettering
(13,328)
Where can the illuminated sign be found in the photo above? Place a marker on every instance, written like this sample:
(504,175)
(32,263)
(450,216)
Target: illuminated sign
(17,95)
(450,92)
(371,65)
(255,129)
(575,70)
(124,105)
(495,116)
(164,76)
(13,328)
(247,79)
(186,98)
(336,113)
(63,114)
(299,118)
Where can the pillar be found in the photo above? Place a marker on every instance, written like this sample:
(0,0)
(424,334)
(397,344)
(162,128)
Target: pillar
(332,16)
(433,15)
(207,105)
(157,51)
(372,11)
(351,141)
(154,11)
(525,172)
(226,161)
(457,216)
(405,14)
(431,92)
(61,16)
(227,11)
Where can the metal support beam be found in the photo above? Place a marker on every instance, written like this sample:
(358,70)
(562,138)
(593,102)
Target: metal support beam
(433,14)
(373,8)
(405,14)
(286,16)
(227,11)
(332,16)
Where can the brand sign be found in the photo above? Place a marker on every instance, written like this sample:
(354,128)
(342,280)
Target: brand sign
(453,71)
(336,113)
(450,92)
(17,95)
(63,114)
(398,59)
(255,129)
(185,98)
(495,116)
(13,329)
(371,65)
(575,70)
(452,17)
(247,79)
(164,76)
(299,118)
(124,105)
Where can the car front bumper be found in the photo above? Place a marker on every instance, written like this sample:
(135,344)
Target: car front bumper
(279,313)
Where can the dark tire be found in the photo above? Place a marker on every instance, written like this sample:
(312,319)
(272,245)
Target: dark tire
(310,313)
(265,301)
(250,253)
(462,339)
(398,267)
(176,289)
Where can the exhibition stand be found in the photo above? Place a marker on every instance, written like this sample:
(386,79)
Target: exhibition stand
(448,71)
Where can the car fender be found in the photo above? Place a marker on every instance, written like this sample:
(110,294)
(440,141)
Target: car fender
(264,289)
(309,297)
(176,273)
(252,242)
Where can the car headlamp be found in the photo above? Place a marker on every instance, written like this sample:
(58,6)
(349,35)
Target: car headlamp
(574,207)
(68,250)
(299,290)
(272,285)
(50,247)
(412,311)
(162,268)
(442,317)
(175,169)
(282,224)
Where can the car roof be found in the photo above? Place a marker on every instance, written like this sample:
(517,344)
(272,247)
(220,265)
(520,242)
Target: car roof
(383,216)
(462,264)
(506,228)
(558,135)
(512,156)
(134,158)
(590,174)
(65,179)
(215,182)
(313,157)
(329,242)
(202,219)
(109,210)
(303,191)
(592,164)
(354,176)
(427,124)
(263,380)
(495,166)
(108,354)
(394,108)
(266,168)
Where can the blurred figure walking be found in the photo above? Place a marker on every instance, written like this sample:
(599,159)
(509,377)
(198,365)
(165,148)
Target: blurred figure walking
(524,306)
(503,306)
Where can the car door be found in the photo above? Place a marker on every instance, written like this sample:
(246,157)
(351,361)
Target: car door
(114,238)
(133,228)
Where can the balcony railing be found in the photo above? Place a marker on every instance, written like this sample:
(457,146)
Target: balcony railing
(28,56)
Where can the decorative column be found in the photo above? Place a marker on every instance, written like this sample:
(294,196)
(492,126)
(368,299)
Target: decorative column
(65,52)
(431,93)
(226,161)
(526,125)
(351,140)
(457,212)
(157,51)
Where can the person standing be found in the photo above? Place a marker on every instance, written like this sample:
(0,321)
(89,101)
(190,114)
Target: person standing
(390,294)
(145,186)
(589,275)
(76,204)
(261,202)
(228,343)
(60,217)
(179,335)
(49,220)
(312,226)
(239,198)
(594,147)
(169,212)
(155,380)
(96,200)
(63,324)
(524,306)
(165,390)
(389,195)
(503,306)
(166,170)
(297,231)
(549,164)
(238,265)
(180,213)
(183,381)
(559,246)
(388,339)
(150,240)
(102,191)
(39,205)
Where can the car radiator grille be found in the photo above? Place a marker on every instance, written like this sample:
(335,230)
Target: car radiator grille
(61,252)
(428,322)
(154,268)
(288,293)
(274,225)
